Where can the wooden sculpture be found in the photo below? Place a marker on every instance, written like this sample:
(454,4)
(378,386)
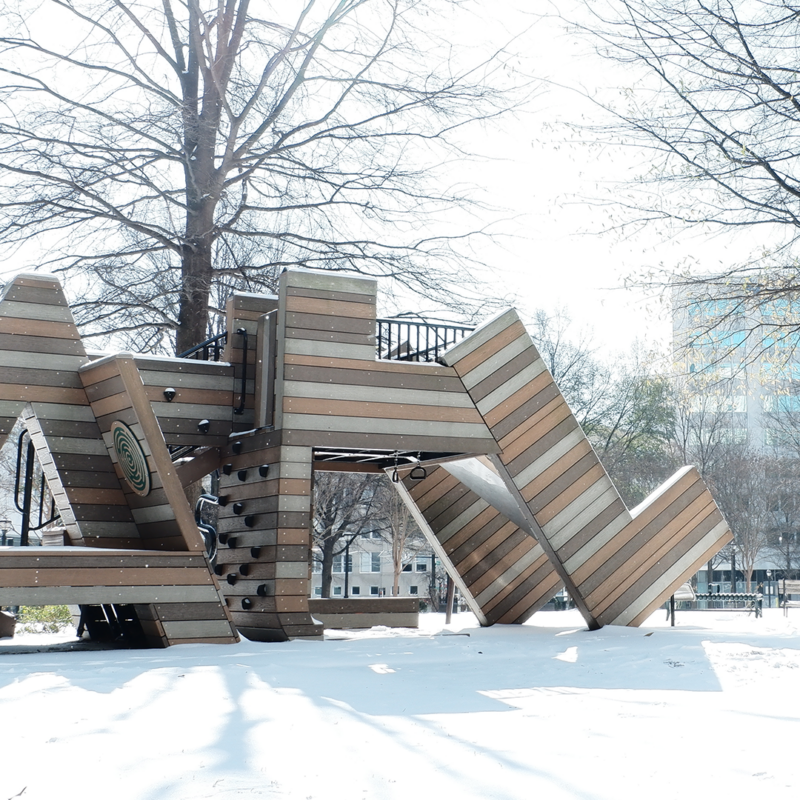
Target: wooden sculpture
(510,494)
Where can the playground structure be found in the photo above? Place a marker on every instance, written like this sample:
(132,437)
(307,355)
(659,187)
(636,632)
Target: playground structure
(479,442)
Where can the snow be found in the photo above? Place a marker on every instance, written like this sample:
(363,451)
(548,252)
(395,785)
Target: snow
(545,710)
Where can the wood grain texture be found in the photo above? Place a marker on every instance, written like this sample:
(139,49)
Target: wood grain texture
(486,554)
(616,563)
(176,592)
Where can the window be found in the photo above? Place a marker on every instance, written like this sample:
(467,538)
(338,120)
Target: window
(718,404)
(316,563)
(376,534)
(413,590)
(338,563)
(407,567)
(337,591)
(317,591)
(716,338)
(370,562)
(733,435)
(422,564)
(785,403)
(355,590)
(373,590)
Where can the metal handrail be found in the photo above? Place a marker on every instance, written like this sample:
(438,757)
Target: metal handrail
(214,346)
(210,347)
(24,486)
(403,340)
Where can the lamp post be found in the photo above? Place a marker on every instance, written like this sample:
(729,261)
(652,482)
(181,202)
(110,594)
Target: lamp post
(347,570)
(5,524)
(769,588)
(733,569)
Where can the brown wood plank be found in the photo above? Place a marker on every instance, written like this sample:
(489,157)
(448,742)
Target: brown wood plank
(323,294)
(485,351)
(38,328)
(515,442)
(101,576)
(696,564)
(188,395)
(397,411)
(401,368)
(330,336)
(652,551)
(495,562)
(543,487)
(606,560)
(472,552)
(520,586)
(513,402)
(43,394)
(594,528)
(572,488)
(299,310)
(678,548)
(504,373)
(544,424)
(36,376)
(389,441)
(547,440)
(368,376)
(41,344)
(532,602)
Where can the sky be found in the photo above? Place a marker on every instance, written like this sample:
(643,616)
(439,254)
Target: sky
(560,256)
(547,709)
(541,179)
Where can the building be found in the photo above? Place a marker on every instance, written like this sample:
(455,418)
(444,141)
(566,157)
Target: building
(737,374)
(370,570)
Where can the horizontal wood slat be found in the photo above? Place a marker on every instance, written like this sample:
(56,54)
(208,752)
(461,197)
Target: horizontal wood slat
(174,592)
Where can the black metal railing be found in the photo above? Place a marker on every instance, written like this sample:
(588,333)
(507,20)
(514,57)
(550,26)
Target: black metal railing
(32,495)
(209,350)
(400,340)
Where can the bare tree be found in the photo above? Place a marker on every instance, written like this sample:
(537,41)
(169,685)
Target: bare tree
(713,100)
(572,360)
(160,149)
(399,530)
(743,487)
(705,427)
(344,508)
(784,534)
(623,406)
(634,438)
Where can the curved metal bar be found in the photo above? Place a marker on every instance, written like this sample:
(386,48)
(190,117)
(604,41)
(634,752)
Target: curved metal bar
(240,408)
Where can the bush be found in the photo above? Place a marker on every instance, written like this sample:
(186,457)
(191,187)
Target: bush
(43,619)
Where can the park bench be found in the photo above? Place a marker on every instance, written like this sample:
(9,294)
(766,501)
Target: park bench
(744,601)
(790,588)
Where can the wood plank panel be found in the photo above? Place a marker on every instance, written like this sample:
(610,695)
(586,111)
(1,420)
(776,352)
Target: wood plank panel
(482,550)
(605,554)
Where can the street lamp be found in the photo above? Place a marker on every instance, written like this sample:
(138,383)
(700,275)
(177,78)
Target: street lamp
(5,524)
(769,588)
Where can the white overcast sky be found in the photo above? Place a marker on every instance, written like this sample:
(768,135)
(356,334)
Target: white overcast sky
(559,259)
(556,259)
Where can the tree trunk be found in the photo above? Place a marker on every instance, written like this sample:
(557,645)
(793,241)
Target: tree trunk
(327,566)
(194,296)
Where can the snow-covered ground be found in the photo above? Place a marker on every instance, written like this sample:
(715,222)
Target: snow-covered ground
(709,709)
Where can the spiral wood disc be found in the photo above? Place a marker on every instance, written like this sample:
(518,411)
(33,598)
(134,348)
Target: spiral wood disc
(131,458)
